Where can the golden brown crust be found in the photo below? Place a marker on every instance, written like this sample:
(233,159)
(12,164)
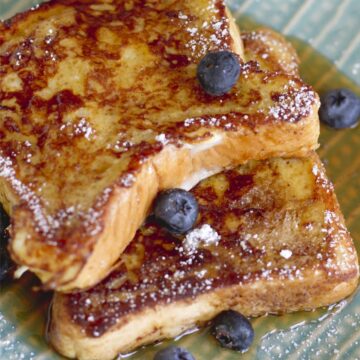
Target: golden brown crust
(88,123)
(172,320)
(271,50)
(284,247)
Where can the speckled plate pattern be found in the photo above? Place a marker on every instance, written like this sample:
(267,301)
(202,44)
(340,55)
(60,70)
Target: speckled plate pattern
(327,37)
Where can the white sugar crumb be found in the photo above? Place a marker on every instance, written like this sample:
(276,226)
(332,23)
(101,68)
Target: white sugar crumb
(244,246)
(201,274)
(205,235)
(192,31)
(128,180)
(83,128)
(286,253)
(182,16)
(315,170)
(215,39)
(217,25)
(88,302)
(162,139)
(179,274)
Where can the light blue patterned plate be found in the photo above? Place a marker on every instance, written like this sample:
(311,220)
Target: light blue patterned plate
(332,28)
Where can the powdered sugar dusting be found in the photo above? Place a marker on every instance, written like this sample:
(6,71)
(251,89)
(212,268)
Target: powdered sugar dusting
(25,194)
(162,139)
(127,180)
(205,235)
(321,179)
(224,122)
(268,45)
(83,128)
(182,16)
(79,128)
(286,253)
(44,223)
(212,34)
(293,104)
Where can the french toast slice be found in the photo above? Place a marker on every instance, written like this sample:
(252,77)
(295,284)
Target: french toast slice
(270,239)
(100,109)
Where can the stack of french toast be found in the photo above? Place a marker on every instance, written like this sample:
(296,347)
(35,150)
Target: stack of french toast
(101,110)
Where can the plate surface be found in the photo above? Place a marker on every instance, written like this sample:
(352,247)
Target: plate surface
(333,60)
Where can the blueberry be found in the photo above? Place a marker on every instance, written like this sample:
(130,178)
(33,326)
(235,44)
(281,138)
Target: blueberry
(5,261)
(173,353)
(232,330)
(177,210)
(218,72)
(340,108)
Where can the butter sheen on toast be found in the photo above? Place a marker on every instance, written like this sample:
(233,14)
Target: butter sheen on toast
(100,109)
(283,247)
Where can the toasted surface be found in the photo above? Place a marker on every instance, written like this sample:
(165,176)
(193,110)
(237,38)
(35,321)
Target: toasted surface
(271,50)
(283,247)
(100,107)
